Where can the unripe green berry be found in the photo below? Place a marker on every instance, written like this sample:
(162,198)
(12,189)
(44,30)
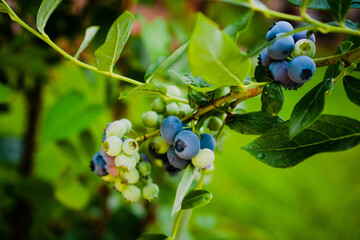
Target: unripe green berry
(132,176)
(117,129)
(214,123)
(221,92)
(130,146)
(184,110)
(203,159)
(173,90)
(158,145)
(305,47)
(131,193)
(150,191)
(119,185)
(127,124)
(137,157)
(172,109)
(144,168)
(210,169)
(158,105)
(112,146)
(150,119)
(125,161)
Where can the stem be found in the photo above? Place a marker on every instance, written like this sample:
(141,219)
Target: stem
(348,57)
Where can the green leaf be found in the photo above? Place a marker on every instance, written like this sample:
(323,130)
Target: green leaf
(240,25)
(71,192)
(69,115)
(145,90)
(215,57)
(47,7)
(253,123)
(197,100)
(345,46)
(322,4)
(89,35)
(272,99)
(153,70)
(327,134)
(352,89)
(197,83)
(108,54)
(183,187)
(195,199)
(152,237)
(262,74)
(309,108)
(3,8)
(339,9)
(5,93)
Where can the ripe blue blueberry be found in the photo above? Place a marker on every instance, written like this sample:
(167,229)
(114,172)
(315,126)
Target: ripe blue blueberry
(290,85)
(278,27)
(168,167)
(175,160)
(279,71)
(301,69)
(264,58)
(282,47)
(170,126)
(207,141)
(97,165)
(302,35)
(186,144)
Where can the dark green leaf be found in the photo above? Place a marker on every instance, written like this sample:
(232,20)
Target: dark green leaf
(253,123)
(357,67)
(196,100)
(5,93)
(327,134)
(262,74)
(240,25)
(108,54)
(47,7)
(3,8)
(345,46)
(69,115)
(339,9)
(183,187)
(165,62)
(322,4)
(215,57)
(197,83)
(153,237)
(309,108)
(352,89)
(272,99)
(195,199)
(89,35)
(145,90)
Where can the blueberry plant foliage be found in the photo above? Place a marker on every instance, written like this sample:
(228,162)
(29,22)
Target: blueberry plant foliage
(218,81)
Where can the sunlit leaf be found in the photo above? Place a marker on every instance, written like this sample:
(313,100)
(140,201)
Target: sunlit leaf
(89,35)
(239,25)
(145,90)
(197,83)
(195,199)
(5,93)
(47,7)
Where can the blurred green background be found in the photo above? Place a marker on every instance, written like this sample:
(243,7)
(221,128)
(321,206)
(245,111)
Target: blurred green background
(52,116)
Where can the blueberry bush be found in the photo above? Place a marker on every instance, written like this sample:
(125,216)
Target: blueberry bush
(170,111)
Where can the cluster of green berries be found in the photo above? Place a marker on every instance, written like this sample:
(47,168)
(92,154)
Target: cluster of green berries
(160,109)
(120,162)
(289,58)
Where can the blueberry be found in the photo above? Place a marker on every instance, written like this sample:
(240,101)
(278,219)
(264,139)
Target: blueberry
(116,128)
(168,167)
(264,58)
(204,159)
(112,170)
(150,119)
(158,105)
(173,90)
(207,141)
(130,146)
(131,193)
(186,144)
(175,160)
(302,35)
(290,85)
(150,191)
(112,146)
(127,124)
(304,47)
(281,48)
(172,108)
(108,159)
(184,110)
(97,165)
(279,71)
(278,27)
(158,145)
(144,168)
(125,162)
(170,126)
(301,69)
(132,176)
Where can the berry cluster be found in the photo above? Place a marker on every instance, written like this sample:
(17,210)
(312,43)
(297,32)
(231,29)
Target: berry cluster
(289,58)
(120,162)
